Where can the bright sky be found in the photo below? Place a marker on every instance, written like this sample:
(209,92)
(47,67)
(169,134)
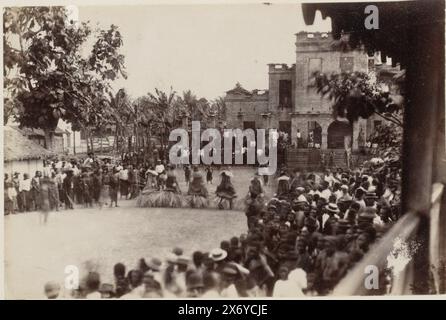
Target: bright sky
(204,48)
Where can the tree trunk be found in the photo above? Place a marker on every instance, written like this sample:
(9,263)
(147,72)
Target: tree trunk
(74,142)
(117,138)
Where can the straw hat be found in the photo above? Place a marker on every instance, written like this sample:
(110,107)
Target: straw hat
(332,207)
(218,254)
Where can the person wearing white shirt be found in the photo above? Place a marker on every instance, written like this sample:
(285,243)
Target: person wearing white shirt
(328,177)
(293,286)
(359,197)
(338,194)
(326,193)
(159,168)
(58,165)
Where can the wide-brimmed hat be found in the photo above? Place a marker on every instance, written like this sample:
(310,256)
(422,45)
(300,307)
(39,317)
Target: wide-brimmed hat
(218,254)
(172,258)
(286,178)
(332,207)
(183,260)
(371,195)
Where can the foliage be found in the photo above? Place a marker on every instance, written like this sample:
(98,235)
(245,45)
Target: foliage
(358,95)
(389,137)
(47,78)
(219,107)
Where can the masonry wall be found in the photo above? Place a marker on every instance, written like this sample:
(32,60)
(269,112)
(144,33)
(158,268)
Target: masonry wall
(251,107)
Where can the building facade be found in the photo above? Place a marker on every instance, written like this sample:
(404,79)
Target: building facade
(290,104)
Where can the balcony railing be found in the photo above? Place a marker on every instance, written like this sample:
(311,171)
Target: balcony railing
(394,252)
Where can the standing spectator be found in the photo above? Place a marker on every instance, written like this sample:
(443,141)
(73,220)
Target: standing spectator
(9,204)
(105,188)
(87,189)
(187,173)
(209,176)
(35,191)
(134,184)
(68,189)
(124,182)
(15,183)
(77,187)
(45,201)
(59,180)
(114,185)
(53,192)
(97,186)
(25,192)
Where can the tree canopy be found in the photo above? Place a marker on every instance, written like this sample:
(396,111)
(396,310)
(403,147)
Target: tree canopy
(358,94)
(48,76)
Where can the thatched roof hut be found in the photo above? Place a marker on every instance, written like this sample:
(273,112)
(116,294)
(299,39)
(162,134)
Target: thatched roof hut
(17,147)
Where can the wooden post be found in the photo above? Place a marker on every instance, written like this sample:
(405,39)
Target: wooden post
(74,141)
(422,81)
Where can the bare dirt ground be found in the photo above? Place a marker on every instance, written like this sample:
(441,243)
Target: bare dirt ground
(36,253)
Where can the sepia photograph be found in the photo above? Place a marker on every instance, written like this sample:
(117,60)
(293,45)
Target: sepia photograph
(274,150)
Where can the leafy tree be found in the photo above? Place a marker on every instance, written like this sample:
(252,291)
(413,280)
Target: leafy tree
(191,107)
(356,95)
(219,107)
(47,78)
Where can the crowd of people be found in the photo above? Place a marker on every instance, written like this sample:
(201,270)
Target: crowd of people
(86,182)
(301,241)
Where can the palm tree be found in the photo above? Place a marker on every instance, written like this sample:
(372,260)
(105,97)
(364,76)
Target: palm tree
(219,107)
(120,114)
(192,108)
(163,112)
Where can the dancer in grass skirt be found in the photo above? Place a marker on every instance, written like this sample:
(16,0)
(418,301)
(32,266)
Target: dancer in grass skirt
(225,190)
(197,195)
(256,192)
(148,194)
(170,196)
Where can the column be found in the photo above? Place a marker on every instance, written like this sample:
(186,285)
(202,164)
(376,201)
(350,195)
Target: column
(324,125)
(324,144)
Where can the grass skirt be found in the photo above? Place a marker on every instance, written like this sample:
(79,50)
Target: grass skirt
(197,201)
(160,199)
(146,199)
